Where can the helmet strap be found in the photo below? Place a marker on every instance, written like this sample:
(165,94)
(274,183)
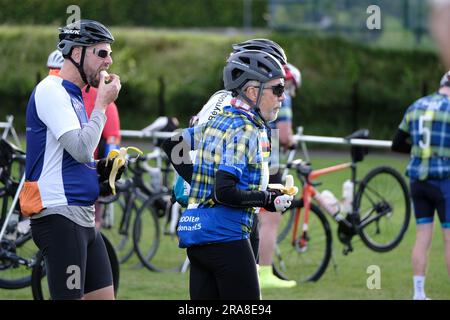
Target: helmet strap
(80,68)
(255,106)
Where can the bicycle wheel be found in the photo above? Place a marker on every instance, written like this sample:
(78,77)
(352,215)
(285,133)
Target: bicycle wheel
(115,268)
(146,233)
(384,208)
(17,254)
(286,224)
(39,285)
(304,262)
(117,224)
(162,255)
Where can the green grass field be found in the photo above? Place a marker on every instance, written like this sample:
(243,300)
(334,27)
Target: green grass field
(345,278)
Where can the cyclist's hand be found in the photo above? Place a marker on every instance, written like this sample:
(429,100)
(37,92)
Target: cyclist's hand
(105,189)
(277,201)
(104,170)
(107,92)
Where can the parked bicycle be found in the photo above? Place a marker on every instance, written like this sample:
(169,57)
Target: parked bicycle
(379,214)
(17,252)
(144,220)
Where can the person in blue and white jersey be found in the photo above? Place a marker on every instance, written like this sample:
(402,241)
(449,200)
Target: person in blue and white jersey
(62,178)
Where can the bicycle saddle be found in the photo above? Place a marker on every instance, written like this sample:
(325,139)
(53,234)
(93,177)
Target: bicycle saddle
(7,152)
(302,167)
(359,134)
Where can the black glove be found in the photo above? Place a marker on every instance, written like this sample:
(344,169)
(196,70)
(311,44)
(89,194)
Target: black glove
(105,189)
(276,201)
(104,170)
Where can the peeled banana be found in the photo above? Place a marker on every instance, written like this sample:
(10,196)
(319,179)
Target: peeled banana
(288,188)
(119,157)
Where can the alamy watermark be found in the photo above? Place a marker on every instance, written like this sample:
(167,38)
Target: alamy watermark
(373,22)
(374,280)
(74,279)
(230,147)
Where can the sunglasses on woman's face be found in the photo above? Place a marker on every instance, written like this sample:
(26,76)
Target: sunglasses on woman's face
(277,90)
(102,53)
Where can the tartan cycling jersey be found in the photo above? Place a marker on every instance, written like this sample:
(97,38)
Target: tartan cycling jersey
(285,113)
(428,122)
(235,141)
(54,177)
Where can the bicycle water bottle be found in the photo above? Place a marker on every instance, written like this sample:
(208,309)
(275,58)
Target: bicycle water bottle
(330,203)
(347,196)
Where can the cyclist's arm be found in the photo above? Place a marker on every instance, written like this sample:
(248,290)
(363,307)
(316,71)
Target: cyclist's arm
(239,152)
(177,151)
(401,142)
(227,193)
(81,143)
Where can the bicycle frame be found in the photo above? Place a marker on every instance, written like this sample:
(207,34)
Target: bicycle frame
(308,193)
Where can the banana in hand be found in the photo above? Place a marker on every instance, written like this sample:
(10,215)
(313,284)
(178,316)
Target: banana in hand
(288,188)
(119,157)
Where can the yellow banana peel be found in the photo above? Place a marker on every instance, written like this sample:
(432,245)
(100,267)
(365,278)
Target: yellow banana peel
(119,157)
(288,188)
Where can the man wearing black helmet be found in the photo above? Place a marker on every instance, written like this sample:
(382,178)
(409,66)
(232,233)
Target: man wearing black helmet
(62,183)
(229,179)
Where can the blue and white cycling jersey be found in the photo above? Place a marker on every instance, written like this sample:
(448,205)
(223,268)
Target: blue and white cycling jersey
(56,107)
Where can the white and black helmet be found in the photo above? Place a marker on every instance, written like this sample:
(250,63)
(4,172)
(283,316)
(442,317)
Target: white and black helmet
(55,60)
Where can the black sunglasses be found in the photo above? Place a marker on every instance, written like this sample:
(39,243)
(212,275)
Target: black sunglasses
(277,90)
(102,53)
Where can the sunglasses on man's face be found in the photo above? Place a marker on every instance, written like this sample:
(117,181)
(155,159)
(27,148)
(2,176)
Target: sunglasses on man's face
(277,90)
(102,53)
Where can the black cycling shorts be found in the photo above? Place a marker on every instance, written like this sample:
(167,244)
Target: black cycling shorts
(76,258)
(429,196)
(225,271)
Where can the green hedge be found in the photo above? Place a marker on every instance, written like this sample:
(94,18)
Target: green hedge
(155,13)
(344,85)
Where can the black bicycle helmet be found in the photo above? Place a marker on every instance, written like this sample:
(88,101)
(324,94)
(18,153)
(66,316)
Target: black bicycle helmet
(250,65)
(82,33)
(265,45)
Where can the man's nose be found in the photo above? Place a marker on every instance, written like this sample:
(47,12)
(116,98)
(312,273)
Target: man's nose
(109,60)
